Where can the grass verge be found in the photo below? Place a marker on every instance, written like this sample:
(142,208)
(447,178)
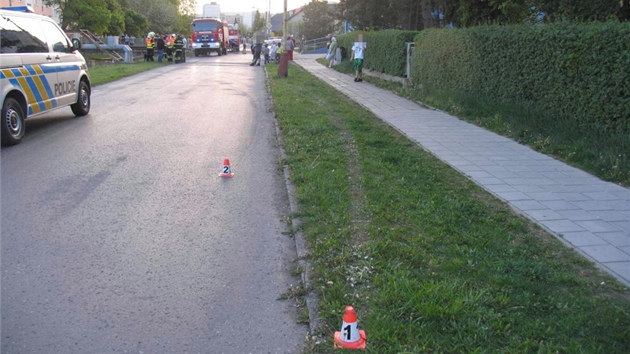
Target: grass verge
(103,74)
(607,157)
(431,262)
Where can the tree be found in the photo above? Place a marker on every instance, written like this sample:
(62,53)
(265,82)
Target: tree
(624,11)
(135,23)
(419,14)
(369,14)
(162,15)
(318,21)
(183,25)
(188,7)
(577,10)
(117,18)
(259,22)
(83,14)
(243,29)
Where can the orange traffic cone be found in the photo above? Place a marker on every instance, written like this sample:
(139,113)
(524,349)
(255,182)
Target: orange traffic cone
(350,336)
(226,172)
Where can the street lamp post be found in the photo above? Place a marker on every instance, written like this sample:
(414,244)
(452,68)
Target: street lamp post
(268,18)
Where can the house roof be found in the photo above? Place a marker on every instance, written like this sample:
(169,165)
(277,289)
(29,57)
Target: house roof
(276,20)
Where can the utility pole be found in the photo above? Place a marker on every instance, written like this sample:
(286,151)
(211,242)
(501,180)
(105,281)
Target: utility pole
(283,67)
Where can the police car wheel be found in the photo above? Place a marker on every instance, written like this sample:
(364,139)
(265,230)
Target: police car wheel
(82,107)
(12,122)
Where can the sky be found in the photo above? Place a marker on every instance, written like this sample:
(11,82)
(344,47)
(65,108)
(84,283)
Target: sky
(241,6)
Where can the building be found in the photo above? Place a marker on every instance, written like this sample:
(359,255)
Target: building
(294,17)
(232,17)
(38,6)
(212,10)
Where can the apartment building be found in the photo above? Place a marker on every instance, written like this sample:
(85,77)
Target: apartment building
(37,5)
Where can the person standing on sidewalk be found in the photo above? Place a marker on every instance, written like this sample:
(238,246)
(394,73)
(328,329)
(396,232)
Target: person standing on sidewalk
(290,45)
(266,53)
(272,51)
(332,52)
(358,50)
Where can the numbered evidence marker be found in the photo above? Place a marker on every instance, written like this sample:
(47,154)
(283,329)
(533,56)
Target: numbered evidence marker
(226,172)
(350,336)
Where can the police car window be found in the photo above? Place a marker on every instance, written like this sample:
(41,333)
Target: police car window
(21,35)
(55,37)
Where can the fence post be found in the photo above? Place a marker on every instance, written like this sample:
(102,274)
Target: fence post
(409,56)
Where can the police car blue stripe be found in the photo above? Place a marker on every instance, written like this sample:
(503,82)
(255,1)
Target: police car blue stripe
(31,69)
(48,90)
(68,68)
(14,83)
(47,69)
(36,93)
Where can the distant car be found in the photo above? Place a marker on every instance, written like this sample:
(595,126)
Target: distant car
(41,69)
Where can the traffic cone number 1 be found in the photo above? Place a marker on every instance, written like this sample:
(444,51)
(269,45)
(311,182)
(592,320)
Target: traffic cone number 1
(347,333)
(350,336)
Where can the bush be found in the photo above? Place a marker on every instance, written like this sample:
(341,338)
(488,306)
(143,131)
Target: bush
(386,50)
(579,72)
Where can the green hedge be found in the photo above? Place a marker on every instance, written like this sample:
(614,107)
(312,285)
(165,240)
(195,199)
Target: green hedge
(386,50)
(579,72)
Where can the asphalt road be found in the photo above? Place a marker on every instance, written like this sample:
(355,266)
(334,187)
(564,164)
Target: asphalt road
(118,236)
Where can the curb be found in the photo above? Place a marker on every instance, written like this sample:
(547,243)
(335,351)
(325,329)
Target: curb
(300,242)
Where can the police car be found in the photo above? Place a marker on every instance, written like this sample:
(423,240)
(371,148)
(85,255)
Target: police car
(41,69)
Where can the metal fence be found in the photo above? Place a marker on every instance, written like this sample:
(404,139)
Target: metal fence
(314,45)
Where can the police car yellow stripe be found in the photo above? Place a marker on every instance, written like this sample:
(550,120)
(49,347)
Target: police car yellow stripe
(31,79)
(37,69)
(41,88)
(7,74)
(32,95)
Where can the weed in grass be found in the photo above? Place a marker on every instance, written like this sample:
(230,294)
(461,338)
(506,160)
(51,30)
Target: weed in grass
(297,294)
(298,271)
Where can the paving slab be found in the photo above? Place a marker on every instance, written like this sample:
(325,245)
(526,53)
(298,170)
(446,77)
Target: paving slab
(586,213)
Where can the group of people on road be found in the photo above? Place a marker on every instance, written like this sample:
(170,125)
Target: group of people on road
(268,53)
(172,46)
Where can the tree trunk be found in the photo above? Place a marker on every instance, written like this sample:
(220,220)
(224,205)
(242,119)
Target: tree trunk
(427,19)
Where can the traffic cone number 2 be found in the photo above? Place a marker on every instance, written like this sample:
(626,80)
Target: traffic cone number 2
(226,173)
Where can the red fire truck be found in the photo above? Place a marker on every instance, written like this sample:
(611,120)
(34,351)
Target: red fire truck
(235,38)
(209,35)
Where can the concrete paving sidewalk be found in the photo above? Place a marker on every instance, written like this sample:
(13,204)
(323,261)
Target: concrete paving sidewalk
(586,213)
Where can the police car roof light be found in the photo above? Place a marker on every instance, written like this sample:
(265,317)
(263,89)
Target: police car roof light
(26,8)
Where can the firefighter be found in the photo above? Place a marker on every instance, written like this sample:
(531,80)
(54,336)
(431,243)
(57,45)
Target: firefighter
(170,43)
(179,49)
(150,42)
